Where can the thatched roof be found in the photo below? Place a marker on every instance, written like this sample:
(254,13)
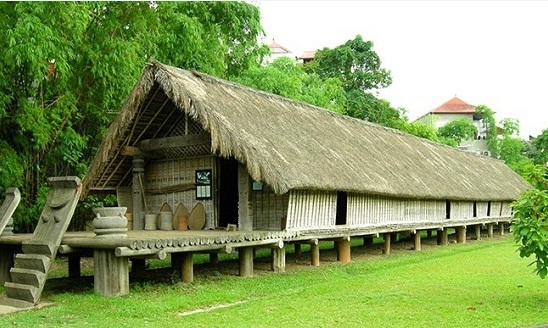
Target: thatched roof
(292,145)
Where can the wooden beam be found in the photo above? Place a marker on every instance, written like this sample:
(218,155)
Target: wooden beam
(149,145)
(245,211)
(131,151)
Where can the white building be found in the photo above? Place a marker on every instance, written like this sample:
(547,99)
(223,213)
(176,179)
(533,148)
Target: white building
(457,109)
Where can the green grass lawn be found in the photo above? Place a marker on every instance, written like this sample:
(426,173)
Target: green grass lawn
(478,284)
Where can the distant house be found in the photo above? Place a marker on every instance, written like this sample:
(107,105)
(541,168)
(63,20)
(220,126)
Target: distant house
(454,109)
(307,56)
(277,51)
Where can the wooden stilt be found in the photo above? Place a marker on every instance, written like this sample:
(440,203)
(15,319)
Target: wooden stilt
(478,231)
(213,258)
(74,270)
(461,235)
(315,254)
(443,239)
(245,255)
(344,251)
(501,228)
(417,241)
(297,248)
(386,247)
(490,230)
(110,273)
(278,259)
(187,267)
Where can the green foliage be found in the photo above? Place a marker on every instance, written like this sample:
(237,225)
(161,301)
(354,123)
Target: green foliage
(540,148)
(488,119)
(458,130)
(421,130)
(530,224)
(365,106)
(68,66)
(355,63)
(284,78)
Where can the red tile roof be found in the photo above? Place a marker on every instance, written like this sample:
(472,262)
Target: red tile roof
(308,55)
(454,106)
(276,48)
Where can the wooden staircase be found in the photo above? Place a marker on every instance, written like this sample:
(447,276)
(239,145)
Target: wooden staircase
(13,196)
(30,271)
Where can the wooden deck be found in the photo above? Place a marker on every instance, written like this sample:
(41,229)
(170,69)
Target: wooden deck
(112,255)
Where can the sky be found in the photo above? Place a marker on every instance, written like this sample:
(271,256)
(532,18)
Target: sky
(492,53)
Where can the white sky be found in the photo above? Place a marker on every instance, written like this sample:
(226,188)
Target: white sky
(493,53)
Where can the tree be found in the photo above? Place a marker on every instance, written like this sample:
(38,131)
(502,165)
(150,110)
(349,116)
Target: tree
(539,153)
(365,106)
(284,78)
(67,67)
(488,118)
(530,223)
(458,130)
(355,63)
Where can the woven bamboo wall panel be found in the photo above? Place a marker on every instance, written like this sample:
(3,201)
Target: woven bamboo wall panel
(461,210)
(187,126)
(166,173)
(481,209)
(268,209)
(311,209)
(364,210)
(506,209)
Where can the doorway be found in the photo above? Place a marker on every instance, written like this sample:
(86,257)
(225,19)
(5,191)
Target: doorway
(228,191)
(342,202)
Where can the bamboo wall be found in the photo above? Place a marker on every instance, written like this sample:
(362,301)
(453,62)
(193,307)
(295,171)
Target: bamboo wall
(366,210)
(168,173)
(461,209)
(481,209)
(268,209)
(311,209)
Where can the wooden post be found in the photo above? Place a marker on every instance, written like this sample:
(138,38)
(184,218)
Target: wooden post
(110,273)
(478,231)
(315,254)
(137,199)
(501,228)
(297,248)
(461,235)
(386,247)
(442,237)
(74,270)
(245,255)
(245,213)
(213,258)
(417,241)
(278,259)
(490,230)
(187,268)
(344,251)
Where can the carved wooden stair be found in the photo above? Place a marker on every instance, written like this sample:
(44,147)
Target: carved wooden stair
(31,267)
(13,196)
